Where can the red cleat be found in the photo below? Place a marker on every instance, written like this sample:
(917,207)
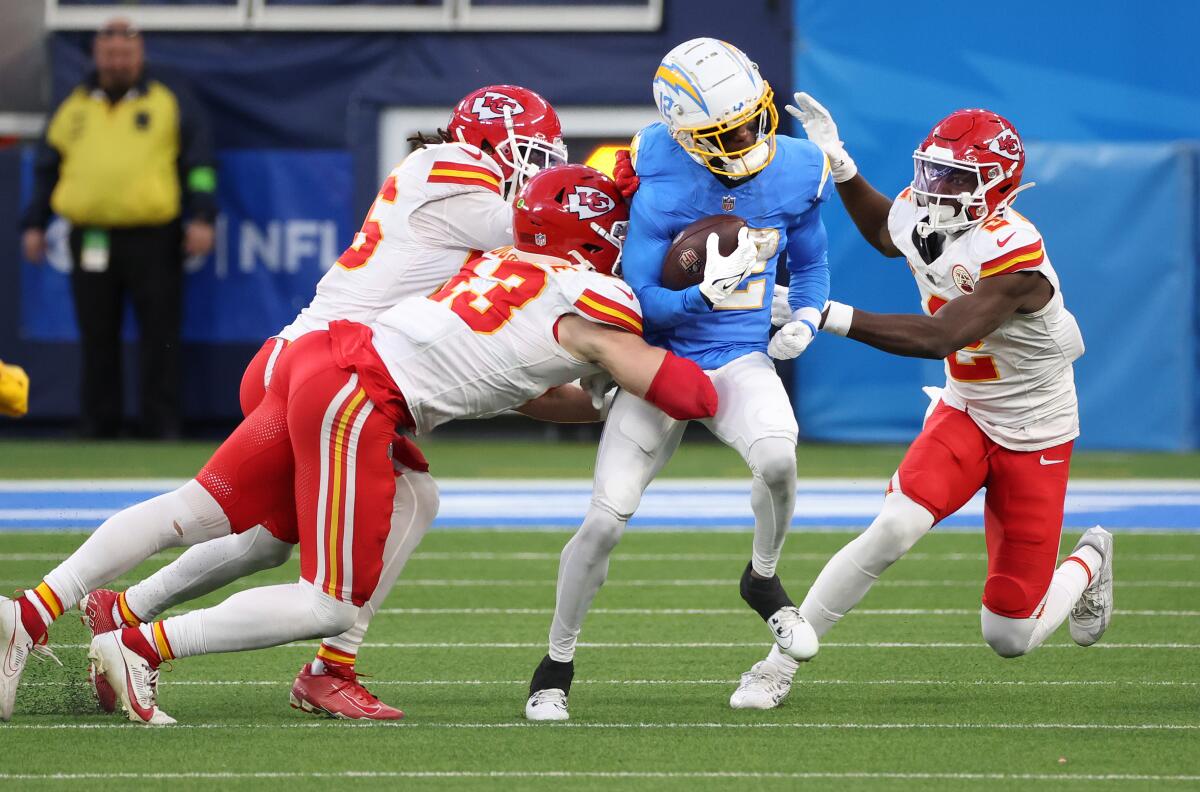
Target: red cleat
(96,613)
(337,694)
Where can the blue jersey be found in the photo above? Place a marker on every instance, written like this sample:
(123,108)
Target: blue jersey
(784,198)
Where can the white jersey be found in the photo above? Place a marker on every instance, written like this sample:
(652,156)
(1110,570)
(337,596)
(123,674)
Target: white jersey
(438,208)
(486,341)
(1017,383)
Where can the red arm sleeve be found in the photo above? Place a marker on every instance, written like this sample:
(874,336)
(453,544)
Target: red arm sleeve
(682,390)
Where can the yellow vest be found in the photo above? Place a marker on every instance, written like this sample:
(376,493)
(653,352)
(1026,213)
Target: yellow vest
(119,161)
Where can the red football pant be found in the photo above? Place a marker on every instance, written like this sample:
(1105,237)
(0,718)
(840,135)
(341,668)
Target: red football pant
(315,447)
(258,373)
(951,460)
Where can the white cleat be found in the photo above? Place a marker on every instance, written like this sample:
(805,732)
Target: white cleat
(794,635)
(15,646)
(763,687)
(1093,611)
(547,705)
(131,676)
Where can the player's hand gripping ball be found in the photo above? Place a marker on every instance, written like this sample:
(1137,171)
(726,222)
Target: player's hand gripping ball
(688,254)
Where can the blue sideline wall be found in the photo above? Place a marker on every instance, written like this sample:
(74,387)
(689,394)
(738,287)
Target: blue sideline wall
(1105,95)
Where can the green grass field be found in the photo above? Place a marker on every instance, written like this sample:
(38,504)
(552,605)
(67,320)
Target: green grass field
(904,694)
(464,629)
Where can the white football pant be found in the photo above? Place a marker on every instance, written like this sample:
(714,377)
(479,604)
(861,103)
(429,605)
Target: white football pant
(754,417)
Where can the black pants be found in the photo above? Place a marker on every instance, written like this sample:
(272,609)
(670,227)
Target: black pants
(146,264)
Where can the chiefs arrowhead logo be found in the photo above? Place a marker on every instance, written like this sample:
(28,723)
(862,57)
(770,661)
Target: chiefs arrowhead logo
(1006,144)
(492,105)
(588,202)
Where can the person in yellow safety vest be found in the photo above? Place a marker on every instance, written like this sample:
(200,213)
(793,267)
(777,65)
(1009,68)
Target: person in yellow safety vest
(128,161)
(14,390)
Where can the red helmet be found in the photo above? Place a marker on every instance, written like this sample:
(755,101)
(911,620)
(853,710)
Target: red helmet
(513,125)
(966,169)
(572,212)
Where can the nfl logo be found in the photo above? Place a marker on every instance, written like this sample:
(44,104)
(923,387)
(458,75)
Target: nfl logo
(539,239)
(727,203)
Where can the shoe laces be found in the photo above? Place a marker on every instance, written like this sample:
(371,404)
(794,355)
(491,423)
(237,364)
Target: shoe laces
(768,677)
(549,695)
(41,652)
(349,678)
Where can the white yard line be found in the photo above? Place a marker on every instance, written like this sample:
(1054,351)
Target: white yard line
(1184,727)
(374,682)
(707,645)
(724,612)
(600,774)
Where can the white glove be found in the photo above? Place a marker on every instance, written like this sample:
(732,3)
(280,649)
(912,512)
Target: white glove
(791,341)
(722,274)
(819,126)
(781,311)
(597,386)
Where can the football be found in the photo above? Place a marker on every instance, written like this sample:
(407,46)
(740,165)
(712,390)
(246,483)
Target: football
(684,264)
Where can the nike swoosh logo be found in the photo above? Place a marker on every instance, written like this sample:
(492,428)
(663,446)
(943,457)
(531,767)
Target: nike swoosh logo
(626,292)
(478,156)
(1045,461)
(1003,242)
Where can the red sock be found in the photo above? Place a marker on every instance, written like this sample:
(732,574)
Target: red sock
(132,637)
(32,620)
(336,661)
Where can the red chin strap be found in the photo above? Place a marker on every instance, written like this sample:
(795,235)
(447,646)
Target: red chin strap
(682,390)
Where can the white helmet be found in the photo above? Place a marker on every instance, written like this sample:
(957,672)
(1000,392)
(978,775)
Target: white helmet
(705,88)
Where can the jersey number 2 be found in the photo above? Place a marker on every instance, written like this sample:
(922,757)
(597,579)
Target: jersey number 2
(485,294)
(969,368)
(751,298)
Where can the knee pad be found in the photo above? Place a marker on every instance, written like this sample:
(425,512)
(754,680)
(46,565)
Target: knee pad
(898,527)
(619,499)
(191,513)
(1009,597)
(1008,637)
(773,460)
(263,550)
(424,491)
(333,616)
(601,529)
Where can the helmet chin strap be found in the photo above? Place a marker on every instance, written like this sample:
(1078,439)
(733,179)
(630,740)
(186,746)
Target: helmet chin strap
(925,228)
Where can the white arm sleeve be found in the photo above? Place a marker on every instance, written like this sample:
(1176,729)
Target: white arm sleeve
(478,220)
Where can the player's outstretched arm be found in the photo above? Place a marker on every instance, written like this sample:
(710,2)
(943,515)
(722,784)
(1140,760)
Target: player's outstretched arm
(957,324)
(867,206)
(869,209)
(675,385)
(565,404)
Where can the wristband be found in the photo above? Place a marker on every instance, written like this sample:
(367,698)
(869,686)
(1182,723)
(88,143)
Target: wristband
(810,316)
(838,318)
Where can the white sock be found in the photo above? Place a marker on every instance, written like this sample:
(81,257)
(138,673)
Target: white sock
(258,618)
(849,575)
(189,515)
(413,510)
(582,570)
(206,568)
(772,498)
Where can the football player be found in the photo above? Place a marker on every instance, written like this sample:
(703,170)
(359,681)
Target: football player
(511,325)
(715,151)
(1007,417)
(445,202)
